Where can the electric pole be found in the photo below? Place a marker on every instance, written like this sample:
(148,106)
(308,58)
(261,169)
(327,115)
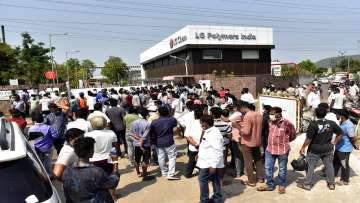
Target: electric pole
(3,33)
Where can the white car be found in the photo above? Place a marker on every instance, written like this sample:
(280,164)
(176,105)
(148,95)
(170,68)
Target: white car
(22,175)
(324,80)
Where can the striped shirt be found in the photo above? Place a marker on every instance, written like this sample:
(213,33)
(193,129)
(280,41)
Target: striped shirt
(224,128)
(280,136)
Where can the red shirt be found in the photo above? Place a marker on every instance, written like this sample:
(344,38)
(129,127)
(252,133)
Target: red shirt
(20,121)
(222,94)
(280,136)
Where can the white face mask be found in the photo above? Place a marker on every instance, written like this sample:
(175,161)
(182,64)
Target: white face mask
(272,117)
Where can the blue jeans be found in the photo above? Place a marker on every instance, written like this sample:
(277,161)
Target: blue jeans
(204,178)
(45,158)
(170,152)
(269,168)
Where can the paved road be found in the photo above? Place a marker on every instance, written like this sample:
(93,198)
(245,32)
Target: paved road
(160,190)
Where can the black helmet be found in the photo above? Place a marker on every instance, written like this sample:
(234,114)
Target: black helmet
(299,164)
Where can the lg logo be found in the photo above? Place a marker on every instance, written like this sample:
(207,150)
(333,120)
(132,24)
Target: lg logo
(174,42)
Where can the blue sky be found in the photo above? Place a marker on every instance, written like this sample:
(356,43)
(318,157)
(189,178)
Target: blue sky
(102,28)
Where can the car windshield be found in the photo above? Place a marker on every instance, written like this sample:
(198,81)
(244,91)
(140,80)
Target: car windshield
(23,178)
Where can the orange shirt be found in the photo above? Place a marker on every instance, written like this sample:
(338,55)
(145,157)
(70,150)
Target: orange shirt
(251,129)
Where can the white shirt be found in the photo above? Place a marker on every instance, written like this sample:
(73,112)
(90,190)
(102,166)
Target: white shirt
(247,97)
(136,100)
(338,100)
(194,130)
(67,156)
(98,113)
(211,149)
(313,100)
(186,118)
(177,106)
(45,101)
(91,101)
(103,143)
(353,90)
(81,124)
(301,92)
(332,117)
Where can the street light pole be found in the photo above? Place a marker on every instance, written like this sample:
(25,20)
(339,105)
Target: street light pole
(51,55)
(185,61)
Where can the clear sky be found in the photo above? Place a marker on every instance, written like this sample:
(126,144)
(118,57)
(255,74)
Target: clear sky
(305,29)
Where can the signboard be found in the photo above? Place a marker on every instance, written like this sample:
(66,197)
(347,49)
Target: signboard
(290,108)
(14,82)
(50,75)
(210,35)
(5,95)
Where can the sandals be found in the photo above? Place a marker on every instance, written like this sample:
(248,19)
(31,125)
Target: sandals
(264,188)
(249,184)
(304,186)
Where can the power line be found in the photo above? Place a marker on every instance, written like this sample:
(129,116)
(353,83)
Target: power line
(168,11)
(147,17)
(294,5)
(288,28)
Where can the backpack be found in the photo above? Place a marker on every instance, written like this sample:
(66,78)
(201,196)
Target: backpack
(74,105)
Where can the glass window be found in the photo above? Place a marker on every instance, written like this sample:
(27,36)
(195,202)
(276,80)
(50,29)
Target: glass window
(250,54)
(22,178)
(212,54)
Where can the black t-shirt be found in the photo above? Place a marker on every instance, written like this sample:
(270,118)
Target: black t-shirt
(320,132)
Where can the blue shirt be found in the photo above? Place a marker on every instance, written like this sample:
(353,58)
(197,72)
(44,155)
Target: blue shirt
(349,131)
(161,131)
(45,143)
(140,128)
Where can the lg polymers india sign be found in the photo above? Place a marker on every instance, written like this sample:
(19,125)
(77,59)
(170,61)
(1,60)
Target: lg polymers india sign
(220,37)
(176,41)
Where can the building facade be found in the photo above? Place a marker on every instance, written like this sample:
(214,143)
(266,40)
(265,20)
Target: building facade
(196,50)
(134,74)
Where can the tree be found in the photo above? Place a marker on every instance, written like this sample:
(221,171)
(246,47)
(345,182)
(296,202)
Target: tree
(114,69)
(287,70)
(8,63)
(87,68)
(354,65)
(307,65)
(74,71)
(33,60)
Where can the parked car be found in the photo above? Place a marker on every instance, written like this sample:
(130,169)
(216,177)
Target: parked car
(324,80)
(23,177)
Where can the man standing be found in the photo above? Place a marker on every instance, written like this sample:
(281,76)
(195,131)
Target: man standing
(313,99)
(344,148)
(319,139)
(210,159)
(162,136)
(281,133)
(250,131)
(193,133)
(44,143)
(116,115)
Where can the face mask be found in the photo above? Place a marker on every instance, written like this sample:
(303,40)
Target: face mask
(273,117)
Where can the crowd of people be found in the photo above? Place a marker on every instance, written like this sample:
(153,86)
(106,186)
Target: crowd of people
(92,130)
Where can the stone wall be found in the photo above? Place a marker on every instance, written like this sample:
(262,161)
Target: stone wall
(21,87)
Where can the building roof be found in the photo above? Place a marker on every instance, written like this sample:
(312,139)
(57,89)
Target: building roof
(209,35)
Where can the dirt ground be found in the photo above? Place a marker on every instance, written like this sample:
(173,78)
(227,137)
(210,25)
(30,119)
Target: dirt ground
(133,190)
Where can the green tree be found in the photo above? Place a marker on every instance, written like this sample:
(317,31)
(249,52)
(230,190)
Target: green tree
(354,65)
(114,69)
(287,70)
(33,60)
(8,63)
(307,65)
(71,69)
(87,68)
